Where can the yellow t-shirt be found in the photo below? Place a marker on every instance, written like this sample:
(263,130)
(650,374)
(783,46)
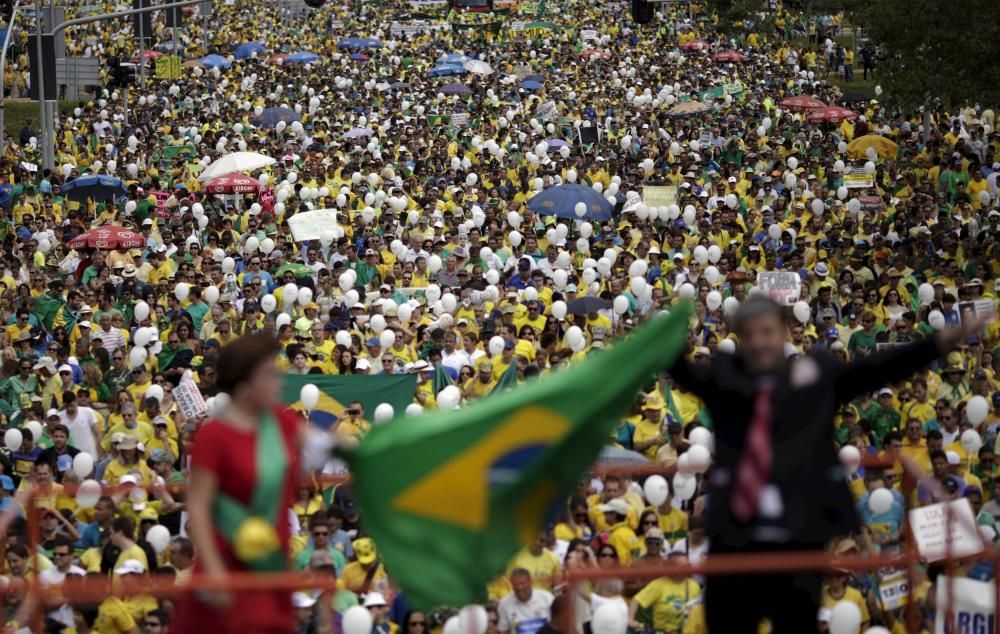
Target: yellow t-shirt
(353,577)
(113,617)
(625,543)
(542,567)
(669,600)
(132,552)
(850,594)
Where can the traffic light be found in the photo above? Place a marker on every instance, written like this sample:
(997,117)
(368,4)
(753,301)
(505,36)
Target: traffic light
(122,74)
(314,4)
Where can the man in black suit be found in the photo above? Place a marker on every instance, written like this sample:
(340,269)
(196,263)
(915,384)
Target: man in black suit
(777,484)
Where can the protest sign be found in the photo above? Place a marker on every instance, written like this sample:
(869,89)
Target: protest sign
(978,309)
(936,539)
(870,205)
(859,179)
(659,195)
(893,587)
(970,604)
(309,225)
(189,400)
(783,287)
(546,111)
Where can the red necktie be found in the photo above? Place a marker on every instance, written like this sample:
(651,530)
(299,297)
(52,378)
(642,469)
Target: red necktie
(754,469)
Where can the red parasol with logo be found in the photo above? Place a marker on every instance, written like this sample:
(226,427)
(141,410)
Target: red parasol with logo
(108,237)
(231,184)
(832,114)
(802,102)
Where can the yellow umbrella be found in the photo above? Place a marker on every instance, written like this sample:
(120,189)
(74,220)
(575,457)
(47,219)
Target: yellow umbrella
(858,148)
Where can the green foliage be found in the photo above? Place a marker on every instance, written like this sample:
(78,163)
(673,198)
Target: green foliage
(733,12)
(934,50)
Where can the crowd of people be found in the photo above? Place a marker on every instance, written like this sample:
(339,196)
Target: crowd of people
(425,136)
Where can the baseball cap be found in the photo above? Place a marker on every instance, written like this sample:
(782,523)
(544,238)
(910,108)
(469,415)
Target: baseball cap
(885,392)
(617,505)
(130,567)
(832,333)
(365,550)
(305,600)
(52,413)
(64,463)
(953,457)
(6,483)
(374,599)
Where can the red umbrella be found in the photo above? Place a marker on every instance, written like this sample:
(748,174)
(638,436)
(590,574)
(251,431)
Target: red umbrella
(730,57)
(108,237)
(802,102)
(278,58)
(148,55)
(832,114)
(593,52)
(231,184)
(696,45)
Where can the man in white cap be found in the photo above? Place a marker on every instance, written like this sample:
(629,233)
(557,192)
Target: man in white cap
(526,609)
(375,603)
(115,612)
(82,425)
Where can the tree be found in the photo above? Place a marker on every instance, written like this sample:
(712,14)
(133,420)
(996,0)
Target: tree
(934,52)
(734,12)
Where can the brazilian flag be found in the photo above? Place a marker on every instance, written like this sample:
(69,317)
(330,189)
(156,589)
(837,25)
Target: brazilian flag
(337,392)
(450,497)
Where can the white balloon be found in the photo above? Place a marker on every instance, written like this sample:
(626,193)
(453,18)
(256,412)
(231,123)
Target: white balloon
(158,537)
(268,303)
(656,490)
(878,629)
(88,493)
(774,231)
(972,442)
(713,300)
(700,254)
(472,619)
(449,398)
(850,457)
(387,338)
(309,395)
(728,346)
(801,311)
(621,305)
(12,439)
(637,286)
(926,293)
(842,192)
(687,291)
(282,319)
(729,305)
(137,357)
(83,464)
(377,323)
(880,501)
(845,618)
(143,336)
(699,458)
(211,295)
(559,309)
(609,618)
(357,620)
(342,338)
(870,167)
(936,319)
(496,345)
(580,210)
(685,485)
(432,293)
(383,413)
(414,409)
(702,435)
(977,409)
(574,337)
(181,291)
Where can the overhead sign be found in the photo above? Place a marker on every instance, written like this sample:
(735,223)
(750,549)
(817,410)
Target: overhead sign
(937,538)
(783,287)
(859,180)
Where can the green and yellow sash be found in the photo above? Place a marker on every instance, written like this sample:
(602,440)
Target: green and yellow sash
(250,530)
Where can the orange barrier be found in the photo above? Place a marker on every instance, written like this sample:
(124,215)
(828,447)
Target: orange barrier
(95,590)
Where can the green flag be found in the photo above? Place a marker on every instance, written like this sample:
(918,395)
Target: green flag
(450,497)
(337,392)
(508,380)
(441,378)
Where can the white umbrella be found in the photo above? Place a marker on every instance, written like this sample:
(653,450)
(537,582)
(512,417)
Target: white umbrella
(236,162)
(478,67)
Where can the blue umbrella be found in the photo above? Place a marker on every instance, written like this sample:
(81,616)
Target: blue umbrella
(561,201)
(555,144)
(531,84)
(456,89)
(247,50)
(302,57)
(215,61)
(271,116)
(97,188)
(359,42)
(446,69)
(537,78)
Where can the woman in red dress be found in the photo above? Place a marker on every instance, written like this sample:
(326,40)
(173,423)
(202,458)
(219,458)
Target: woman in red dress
(243,480)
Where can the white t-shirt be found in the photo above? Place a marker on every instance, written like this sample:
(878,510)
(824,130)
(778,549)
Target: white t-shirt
(81,429)
(524,618)
(53,577)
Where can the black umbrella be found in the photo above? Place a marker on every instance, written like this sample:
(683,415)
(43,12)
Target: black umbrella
(586,305)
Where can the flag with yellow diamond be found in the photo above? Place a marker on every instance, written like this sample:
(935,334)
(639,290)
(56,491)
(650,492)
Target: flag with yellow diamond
(450,497)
